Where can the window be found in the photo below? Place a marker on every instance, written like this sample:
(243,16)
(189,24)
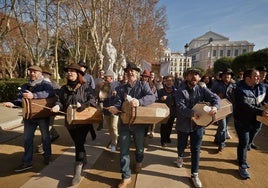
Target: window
(236,52)
(221,53)
(228,52)
(214,53)
(244,51)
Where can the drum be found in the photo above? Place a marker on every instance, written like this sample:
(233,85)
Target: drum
(263,120)
(37,108)
(202,109)
(151,114)
(88,116)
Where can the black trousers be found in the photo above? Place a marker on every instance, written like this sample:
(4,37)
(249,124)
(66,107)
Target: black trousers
(165,130)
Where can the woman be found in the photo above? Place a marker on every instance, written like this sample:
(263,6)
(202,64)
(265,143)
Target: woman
(77,93)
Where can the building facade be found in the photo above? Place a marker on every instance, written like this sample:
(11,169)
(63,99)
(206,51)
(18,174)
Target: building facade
(206,49)
(178,62)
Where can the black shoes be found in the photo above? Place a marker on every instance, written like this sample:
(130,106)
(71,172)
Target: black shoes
(23,167)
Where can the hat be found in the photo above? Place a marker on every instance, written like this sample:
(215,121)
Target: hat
(47,71)
(193,70)
(109,73)
(262,68)
(133,66)
(35,67)
(82,64)
(74,66)
(146,73)
(227,71)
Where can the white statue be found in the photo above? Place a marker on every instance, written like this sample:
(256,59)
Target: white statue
(110,55)
(122,63)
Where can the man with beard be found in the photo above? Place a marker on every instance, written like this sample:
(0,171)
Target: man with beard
(189,94)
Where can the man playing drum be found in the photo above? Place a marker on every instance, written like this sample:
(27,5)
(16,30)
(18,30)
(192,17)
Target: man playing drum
(189,94)
(138,93)
(36,88)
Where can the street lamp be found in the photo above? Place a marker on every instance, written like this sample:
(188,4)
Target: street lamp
(186,48)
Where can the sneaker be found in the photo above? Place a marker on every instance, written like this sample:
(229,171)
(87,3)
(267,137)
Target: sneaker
(39,149)
(138,167)
(196,180)
(151,135)
(253,146)
(113,149)
(244,173)
(124,183)
(179,162)
(228,135)
(23,167)
(164,145)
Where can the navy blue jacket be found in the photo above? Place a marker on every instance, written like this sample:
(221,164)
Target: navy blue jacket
(170,101)
(185,100)
(41,90)
(248,102)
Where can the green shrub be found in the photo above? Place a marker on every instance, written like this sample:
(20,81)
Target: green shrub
(9,89)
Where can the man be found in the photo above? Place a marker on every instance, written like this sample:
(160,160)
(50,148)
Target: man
(137,93)
(263,73)
(37,88)
(54,135)
(224,89)
(110,120)
(189,94)
(249,96)
(88,77)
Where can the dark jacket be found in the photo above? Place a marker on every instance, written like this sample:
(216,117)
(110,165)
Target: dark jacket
(170,101)
(223,90)
(248,102)
(185,100)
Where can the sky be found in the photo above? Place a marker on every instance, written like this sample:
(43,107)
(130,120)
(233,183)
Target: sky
(236,19)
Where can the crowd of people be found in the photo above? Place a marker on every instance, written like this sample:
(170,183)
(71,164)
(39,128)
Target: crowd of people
(247,94)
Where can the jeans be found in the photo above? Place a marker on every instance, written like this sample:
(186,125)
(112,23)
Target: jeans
(196,141)
(125,132)
(244,132)
(220,136)
(30,126)
(165,130)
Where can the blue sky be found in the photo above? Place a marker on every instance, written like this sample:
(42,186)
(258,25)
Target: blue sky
(235,19)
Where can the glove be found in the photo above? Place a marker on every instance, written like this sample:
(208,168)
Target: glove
(81,108)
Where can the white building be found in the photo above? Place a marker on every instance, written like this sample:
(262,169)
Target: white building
(206,49)
(178,62)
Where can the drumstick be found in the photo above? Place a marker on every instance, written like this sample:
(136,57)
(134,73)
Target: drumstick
(47,107)
(106,108)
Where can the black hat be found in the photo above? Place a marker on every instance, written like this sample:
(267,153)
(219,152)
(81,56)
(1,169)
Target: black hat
(262,68)
(227,71)
(193,70)
(133,66)
(74,66)
(82,64)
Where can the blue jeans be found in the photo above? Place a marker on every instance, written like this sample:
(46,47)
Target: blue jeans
(220,136)
(244,131)
(196,141)
(30,126)
(125,132)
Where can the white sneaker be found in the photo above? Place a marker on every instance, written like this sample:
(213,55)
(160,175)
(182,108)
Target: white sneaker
(228,135)
(179,162)
(113,149)
(196,181)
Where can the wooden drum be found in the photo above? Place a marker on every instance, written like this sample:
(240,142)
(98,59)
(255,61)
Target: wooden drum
(151,114)
(37,108)
(88,116)
(226,108)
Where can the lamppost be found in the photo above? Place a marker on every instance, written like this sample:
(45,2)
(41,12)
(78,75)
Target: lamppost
(186,49)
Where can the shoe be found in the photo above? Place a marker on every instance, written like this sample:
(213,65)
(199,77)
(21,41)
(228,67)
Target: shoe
(46,160)
(244,173)
(113,149)
(23,167)
(228,135)
(99,127)
(220,149)
(39,149)
(52,139)
(124,183)
(253,146)
(151,135)
(164,145)
(179,162)
(196,180)
(138,167)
